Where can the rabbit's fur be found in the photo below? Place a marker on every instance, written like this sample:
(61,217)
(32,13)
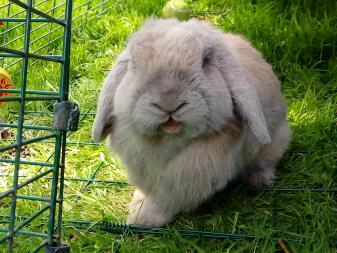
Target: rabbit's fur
(226,98)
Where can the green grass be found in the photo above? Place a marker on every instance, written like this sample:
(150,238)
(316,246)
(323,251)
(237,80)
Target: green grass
(299,38)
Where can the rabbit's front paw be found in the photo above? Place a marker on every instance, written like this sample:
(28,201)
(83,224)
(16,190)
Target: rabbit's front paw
(138,199)
(146,213)
(261,177)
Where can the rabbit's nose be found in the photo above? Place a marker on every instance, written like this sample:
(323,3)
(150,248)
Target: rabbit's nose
(167,110)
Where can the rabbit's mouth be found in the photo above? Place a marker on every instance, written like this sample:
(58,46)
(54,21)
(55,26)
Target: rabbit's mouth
(171,126)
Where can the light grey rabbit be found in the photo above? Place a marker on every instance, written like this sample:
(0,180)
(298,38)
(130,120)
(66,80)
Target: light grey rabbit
(187,108)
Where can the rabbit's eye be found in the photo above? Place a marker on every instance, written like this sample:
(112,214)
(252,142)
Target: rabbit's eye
(205,60)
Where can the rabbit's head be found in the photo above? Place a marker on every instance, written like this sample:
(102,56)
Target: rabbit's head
(178,80)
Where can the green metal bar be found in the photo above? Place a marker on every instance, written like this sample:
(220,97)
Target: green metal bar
(12,51)
(31,92)
(316,190)
(60,139)
(14,140)
(56,236)
(29,233)
(40,13)
(20,123)
(54,188)
(10,56)
(84,143)
(17,53)
(40,98)
(34,198)
(11,175)
(120,183)
(24,20)
(21,217)
(46,112)
(93,176)
(27,127)
(29,220)
(43,244)
(10,99)
(22,232)
(127,229)
(44,164)
(295,189)
(58,229)
(64,85)
(21,143)
(78,143)
(33,179)
(69,142)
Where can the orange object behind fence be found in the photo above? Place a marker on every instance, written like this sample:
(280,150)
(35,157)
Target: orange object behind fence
(5,83)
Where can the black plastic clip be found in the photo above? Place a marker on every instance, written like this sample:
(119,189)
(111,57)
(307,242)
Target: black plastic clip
(62,248)
(66,116)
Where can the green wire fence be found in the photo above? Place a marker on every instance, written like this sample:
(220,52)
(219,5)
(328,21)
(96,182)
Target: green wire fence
(24,20)
(35,34)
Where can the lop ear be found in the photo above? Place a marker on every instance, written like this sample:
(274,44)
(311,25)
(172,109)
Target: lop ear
(244,94)
(104,118)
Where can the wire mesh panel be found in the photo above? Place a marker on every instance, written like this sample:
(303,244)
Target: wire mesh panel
(34,51)
(30,57)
